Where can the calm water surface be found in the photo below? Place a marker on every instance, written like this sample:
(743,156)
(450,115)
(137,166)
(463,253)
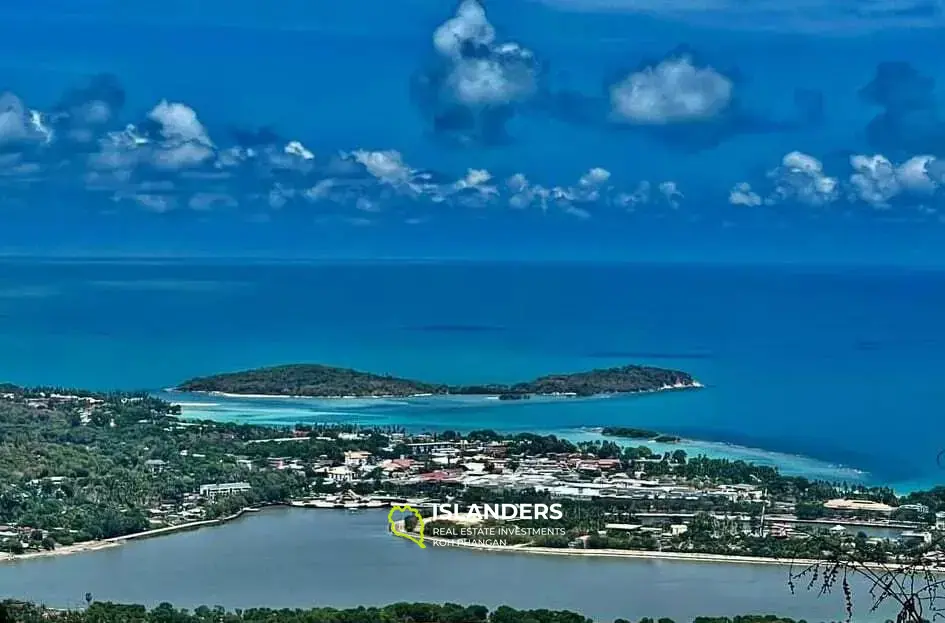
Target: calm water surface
(300,558)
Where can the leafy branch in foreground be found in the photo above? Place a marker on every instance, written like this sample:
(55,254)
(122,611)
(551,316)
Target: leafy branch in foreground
(909,580)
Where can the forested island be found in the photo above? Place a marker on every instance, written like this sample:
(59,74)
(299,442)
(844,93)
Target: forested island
(318,380)
(104,612)
(638,433)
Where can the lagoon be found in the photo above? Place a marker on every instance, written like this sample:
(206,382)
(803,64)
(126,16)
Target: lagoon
(809,367)
(299,558)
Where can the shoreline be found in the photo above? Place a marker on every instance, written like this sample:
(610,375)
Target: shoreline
(94,546)
(667,388)
(651,555)
(436,542)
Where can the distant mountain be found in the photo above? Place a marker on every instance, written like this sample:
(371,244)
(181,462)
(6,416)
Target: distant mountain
(319,380)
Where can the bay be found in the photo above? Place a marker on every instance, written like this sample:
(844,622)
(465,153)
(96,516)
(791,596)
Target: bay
(304,558)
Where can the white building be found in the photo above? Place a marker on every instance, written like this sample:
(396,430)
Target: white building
(356,458)
(227,488)
(340,474)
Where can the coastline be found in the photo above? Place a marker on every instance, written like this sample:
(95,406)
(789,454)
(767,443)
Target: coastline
(651,555)
(94,546)
(665,388)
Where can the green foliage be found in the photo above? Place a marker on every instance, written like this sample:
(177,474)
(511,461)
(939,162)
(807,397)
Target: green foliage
(104,612)
(320,380)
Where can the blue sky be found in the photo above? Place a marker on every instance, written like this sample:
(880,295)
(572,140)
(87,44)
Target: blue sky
(588,129)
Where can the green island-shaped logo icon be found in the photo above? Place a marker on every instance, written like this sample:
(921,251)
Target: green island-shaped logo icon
(406,508)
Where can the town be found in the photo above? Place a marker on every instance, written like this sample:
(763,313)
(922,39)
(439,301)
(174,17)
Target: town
(80,467)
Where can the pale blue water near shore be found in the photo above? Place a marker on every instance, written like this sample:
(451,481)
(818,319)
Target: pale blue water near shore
(470,413)
(822,367)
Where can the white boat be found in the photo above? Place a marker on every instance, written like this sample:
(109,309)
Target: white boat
(323,504)
(374,504)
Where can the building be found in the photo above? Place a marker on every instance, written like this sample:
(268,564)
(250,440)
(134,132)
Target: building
(912,538)
(855,506)
(228,488)
(155,466)
(340,474)
(357,458)
(428,447)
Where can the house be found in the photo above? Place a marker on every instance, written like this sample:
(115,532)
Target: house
(155,466)
(340,474)
(356,458)
(398,468)
(678,529)
(940,520)
(228,488)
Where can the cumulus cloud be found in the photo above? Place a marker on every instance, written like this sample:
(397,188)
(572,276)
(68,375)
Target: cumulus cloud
(801,178)
(20,125)
(475,83)
(873,180)
(167,161)
(680,100)
(877,181)
(743,195)
(674,91)
(469,26)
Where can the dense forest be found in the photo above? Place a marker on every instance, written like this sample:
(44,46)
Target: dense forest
(320,380)
(18,612)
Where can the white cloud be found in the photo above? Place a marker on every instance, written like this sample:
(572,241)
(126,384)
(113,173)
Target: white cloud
(491,81)
(469,26)
(743,195)
(595,177)
(876,180)
(181,155)
(483,73)
(179,123)
(922,174)
(387,166)
(297,149)
(801,178)
(671,192)
(18,124)
(674,91)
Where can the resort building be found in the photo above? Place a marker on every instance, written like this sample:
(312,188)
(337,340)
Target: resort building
(854,506)
(228,488)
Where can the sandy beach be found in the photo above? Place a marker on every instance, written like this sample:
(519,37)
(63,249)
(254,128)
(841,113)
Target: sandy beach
(92,546)
(641,554)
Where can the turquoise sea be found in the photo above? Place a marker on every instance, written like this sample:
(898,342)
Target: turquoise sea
(829,372)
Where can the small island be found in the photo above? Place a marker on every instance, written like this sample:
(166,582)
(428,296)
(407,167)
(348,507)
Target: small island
(315,380)
(638,433)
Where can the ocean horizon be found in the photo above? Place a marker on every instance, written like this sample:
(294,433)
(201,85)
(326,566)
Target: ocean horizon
(826,372)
